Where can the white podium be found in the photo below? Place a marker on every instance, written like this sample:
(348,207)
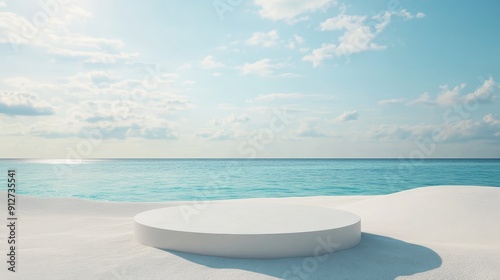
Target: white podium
(249,229)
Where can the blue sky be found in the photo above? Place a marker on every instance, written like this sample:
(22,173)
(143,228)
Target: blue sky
(260,78)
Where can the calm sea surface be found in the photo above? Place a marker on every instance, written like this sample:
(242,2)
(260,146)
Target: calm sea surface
(193,179)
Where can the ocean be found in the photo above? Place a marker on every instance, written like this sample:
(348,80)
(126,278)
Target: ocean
(150,180)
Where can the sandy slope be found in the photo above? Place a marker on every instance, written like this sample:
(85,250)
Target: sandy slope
(427,233)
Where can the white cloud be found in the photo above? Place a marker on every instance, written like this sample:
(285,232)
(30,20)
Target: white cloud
(147,128)
(24,84)
(268,39)
(462,130)
(263,67)
(342,21)
(278,96)
(294,41)
(424,99)
(395,132)
(163,131)
(289,10)
(2,4)
(288,75)
(10,28)
(232,119)
(57,38)
(467,130)
(489,119)
(288,96)
(391,101)
(407,15)
(237,126)
(121,107)
(484,93)
(358,35)
(103,84)
(404,13)
(23,104)
(449,97)
(348,116)
(310,128)
(209,62)
(420,15)
(100,78)
(119,119)
(298,39)
(309,132)
(151,126)
(318,55)
(220,134)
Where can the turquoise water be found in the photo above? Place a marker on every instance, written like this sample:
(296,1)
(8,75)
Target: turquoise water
(193,179)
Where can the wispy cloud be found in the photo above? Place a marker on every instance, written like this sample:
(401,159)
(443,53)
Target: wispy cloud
(310,128)
(464,130)
(485,93)
(57,38)
(209,62)
(230,127)
(23,104)
(359,34)
(220,134)
(278,96)
(117,112)
(295,41)
(348,116)
(263,67)
(452,96)
(270,97)
(420,15)
(407,15)
(392,101)
(122,131)
(231,119)
(290,10)
(268,39)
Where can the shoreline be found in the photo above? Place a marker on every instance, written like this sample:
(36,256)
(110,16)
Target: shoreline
(438,232)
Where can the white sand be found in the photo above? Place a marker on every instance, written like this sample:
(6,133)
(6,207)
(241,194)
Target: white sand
(427,233)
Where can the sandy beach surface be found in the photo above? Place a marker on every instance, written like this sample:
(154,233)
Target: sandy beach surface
(444,232)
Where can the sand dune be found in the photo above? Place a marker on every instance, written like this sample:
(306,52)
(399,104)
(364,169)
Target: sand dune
(458,215)
(445,232)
